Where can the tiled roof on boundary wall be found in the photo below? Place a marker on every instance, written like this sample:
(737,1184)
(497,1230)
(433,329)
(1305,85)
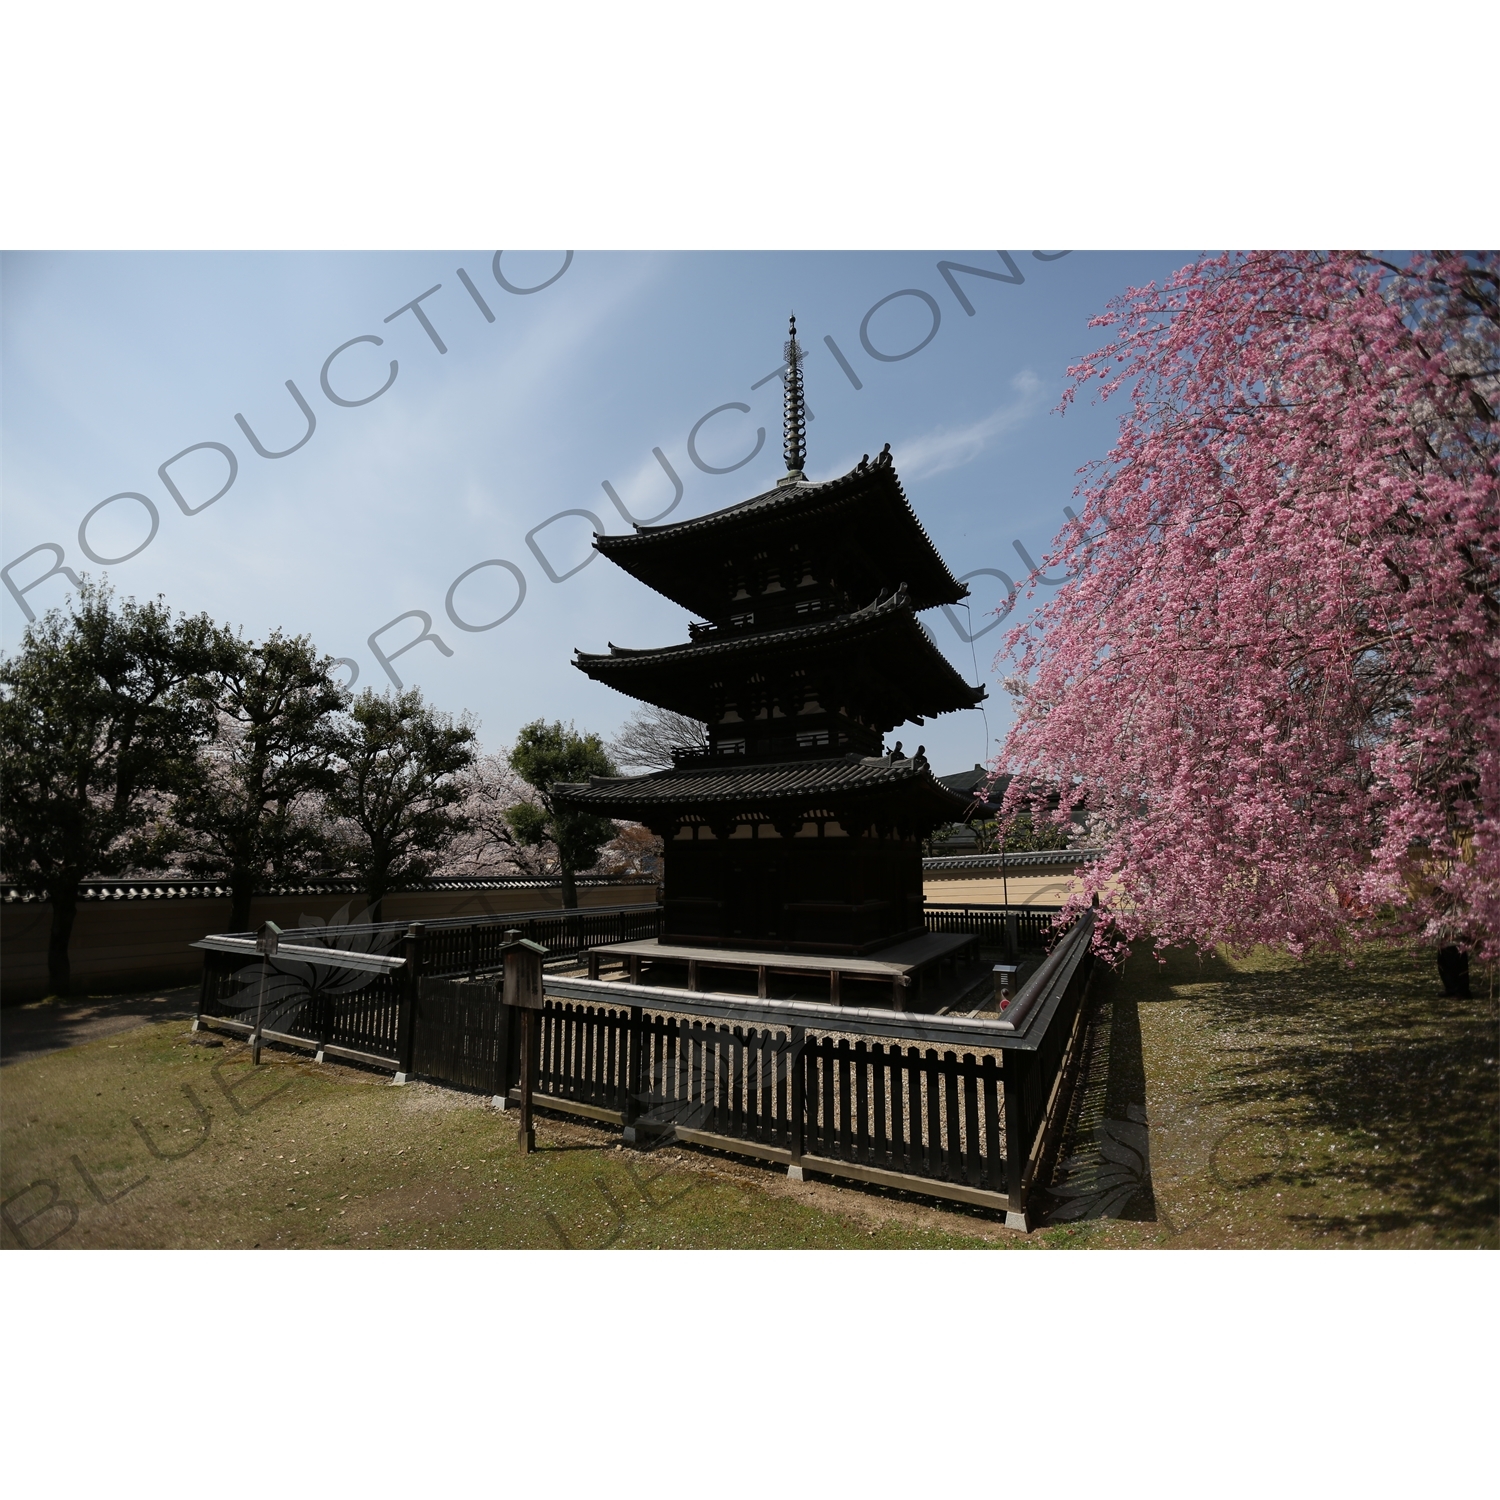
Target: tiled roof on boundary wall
(1032,858)
(175,889)
(1047,859)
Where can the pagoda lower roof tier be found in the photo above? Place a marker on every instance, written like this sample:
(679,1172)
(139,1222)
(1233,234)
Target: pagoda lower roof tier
(783,791)
(863,516)
(880,658)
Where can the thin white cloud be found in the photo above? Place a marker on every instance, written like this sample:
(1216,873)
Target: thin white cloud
(951,447)
(645,492)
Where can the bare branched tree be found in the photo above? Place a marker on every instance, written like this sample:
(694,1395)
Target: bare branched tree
(648,737)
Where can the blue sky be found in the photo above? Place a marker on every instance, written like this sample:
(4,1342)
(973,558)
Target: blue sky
(112,363)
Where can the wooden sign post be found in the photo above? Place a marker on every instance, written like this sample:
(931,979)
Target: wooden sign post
(1005,984)
(523,989)
(266,941)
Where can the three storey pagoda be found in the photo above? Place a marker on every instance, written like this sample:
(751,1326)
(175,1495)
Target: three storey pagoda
(793,831)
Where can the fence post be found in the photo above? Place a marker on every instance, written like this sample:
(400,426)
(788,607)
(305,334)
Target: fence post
(267,939)
(505,1046)
(529,1048)
(412,952)
(202,994)
(1015,1073)
(631,1041)
(797,1120)
(324,1003)
(1013,934)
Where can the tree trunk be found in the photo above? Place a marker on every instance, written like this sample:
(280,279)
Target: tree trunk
(1453,970)
(569,889)
(241,892)
(64,908)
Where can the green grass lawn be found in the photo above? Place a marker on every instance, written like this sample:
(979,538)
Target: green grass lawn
(148,1139)
(1250,1102)
(1267,1102)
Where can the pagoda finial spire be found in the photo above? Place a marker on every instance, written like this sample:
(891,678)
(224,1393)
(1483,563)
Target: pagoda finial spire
(794,422)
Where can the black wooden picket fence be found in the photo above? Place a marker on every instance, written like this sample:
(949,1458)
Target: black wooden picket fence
(370,1016)
(967,1109)
(373,1017)
(953,1107)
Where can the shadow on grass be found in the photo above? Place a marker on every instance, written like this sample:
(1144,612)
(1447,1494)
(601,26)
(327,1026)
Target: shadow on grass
(1400,1079)
(49,1025)
(1104,1168)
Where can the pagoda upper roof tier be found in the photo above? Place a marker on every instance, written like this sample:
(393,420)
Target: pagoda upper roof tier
(799,787)
(863,517)
(880,658)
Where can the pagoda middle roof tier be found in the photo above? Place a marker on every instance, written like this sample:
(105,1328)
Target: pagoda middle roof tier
(805,786)
(862,517)
(879,657)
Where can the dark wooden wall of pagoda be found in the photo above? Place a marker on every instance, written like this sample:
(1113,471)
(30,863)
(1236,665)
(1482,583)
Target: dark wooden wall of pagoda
(827,895)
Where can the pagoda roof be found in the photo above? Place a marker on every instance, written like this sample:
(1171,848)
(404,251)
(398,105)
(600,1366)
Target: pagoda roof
(776,784)
(904,674)
(677,559)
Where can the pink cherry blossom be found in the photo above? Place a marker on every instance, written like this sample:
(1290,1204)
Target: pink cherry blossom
(1275,679)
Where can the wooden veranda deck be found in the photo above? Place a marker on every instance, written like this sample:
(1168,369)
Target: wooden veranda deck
(903,965)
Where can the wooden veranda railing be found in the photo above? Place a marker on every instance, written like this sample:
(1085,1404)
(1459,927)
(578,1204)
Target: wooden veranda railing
(1022,929)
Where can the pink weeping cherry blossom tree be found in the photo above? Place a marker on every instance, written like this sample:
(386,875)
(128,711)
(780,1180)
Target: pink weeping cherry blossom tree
(1275,677)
